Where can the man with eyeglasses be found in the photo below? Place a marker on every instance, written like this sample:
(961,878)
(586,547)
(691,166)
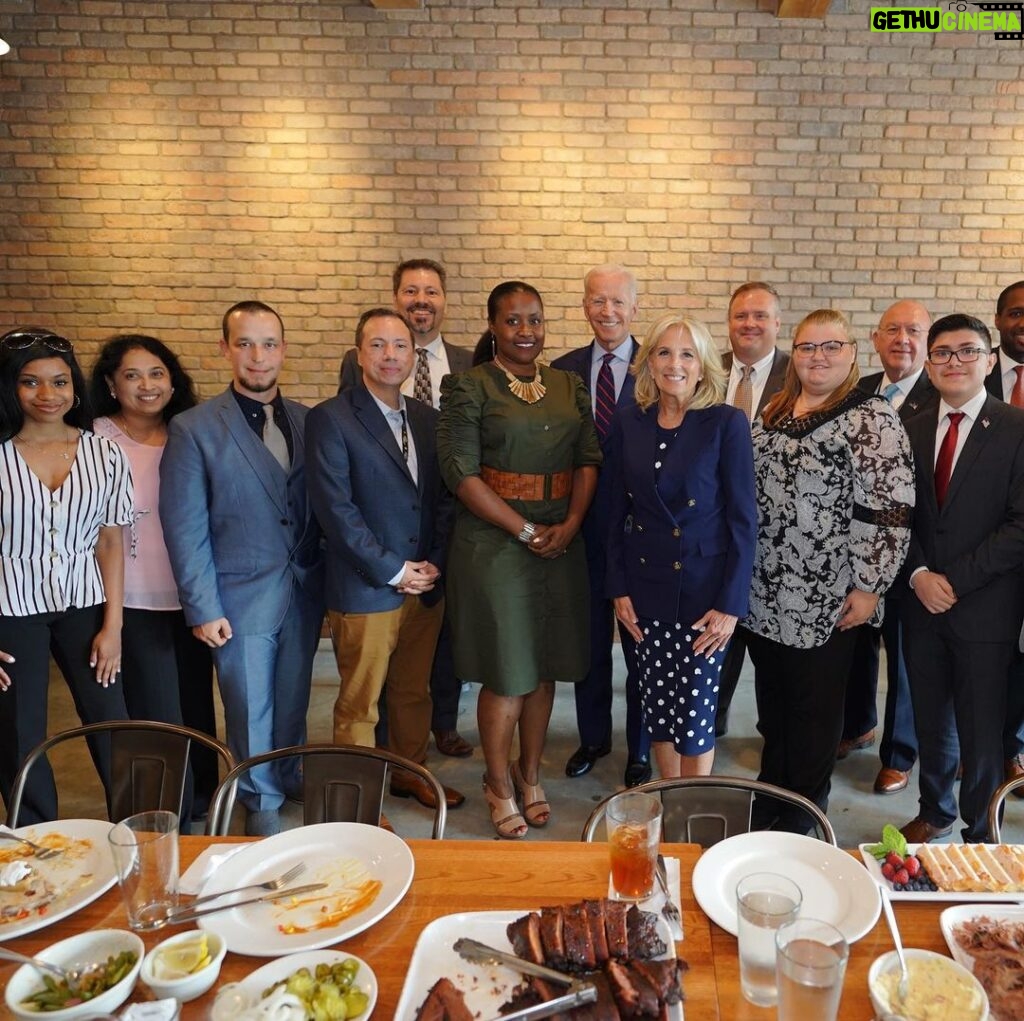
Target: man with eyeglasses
(962,616)
(900,341)
(609,305)
(757,370)
(1006,381)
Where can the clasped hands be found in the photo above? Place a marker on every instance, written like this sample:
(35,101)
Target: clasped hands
(551,541)
(418,577)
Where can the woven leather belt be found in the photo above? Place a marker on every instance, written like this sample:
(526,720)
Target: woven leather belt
(516,486)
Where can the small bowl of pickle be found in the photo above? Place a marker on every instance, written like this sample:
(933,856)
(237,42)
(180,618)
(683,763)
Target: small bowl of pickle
(108,960)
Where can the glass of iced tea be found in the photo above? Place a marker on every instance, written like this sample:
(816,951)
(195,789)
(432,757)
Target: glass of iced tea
(634,830)
(810,964)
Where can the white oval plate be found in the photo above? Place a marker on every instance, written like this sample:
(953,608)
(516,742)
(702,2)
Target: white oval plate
(275,971)
(80,875)
(836,887)
(254,930)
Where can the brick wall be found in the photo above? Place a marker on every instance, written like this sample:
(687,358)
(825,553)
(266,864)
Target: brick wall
(161,160)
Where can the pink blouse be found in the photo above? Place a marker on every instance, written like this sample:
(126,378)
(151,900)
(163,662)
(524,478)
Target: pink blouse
(148,580)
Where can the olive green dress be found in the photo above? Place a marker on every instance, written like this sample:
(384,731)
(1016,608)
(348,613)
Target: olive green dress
(516,618)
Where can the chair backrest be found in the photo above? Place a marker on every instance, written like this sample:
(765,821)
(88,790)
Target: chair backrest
(148,764)
(706,809)
(995,806)
(340,783)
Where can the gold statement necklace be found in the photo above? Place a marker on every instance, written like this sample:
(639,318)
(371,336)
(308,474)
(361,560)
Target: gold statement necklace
(530,392)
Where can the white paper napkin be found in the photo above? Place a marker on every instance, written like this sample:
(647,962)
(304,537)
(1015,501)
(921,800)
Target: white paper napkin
(195,876)
(655,902)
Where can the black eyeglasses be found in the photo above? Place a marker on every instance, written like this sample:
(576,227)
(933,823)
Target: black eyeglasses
(830,348)
(20,340)
(964,355)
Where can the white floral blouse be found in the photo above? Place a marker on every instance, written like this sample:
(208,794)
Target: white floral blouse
(835,495)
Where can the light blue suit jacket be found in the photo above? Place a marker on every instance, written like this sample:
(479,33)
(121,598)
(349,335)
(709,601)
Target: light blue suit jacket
(238,528)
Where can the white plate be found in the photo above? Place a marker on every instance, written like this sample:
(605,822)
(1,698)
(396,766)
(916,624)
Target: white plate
(275,971)
(253,930)
(952,917)
(82,874)
(486,987)
(953,896)
(835,886)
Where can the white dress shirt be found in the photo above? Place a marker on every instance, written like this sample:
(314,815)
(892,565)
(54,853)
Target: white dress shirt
(437,362)
(758,379)
(1007,373)
(971,410)
(619,364)
(906,385)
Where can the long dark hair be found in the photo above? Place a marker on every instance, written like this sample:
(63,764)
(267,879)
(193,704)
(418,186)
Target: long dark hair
(35,343)
(109,361)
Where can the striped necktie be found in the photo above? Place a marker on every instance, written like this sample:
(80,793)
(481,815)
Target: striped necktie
(604,397)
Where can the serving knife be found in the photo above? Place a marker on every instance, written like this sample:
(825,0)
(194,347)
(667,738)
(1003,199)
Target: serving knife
(579,994)
(188,915)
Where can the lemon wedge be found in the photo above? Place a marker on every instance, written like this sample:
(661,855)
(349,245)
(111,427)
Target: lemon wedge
(182,959)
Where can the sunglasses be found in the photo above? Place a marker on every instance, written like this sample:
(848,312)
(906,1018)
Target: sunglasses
(20,340)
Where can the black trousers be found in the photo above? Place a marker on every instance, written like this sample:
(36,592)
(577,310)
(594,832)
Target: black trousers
(31,640)
(800,698)
(168,677)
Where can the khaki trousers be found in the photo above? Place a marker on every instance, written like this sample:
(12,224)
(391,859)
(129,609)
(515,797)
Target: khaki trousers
(395,647)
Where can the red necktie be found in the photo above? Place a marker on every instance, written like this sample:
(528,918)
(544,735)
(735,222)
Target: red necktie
(1017,394)
(604,398)
(944,463)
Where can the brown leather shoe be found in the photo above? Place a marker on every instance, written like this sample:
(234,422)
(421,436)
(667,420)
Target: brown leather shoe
(920,831)
(451,742)
(405,785)
(1013,768)
(889,781)
(854,744)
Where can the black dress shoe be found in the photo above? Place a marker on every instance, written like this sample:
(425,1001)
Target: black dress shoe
(638,771)
(582,760)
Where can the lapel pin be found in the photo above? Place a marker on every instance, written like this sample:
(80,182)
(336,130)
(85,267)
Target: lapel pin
(985,423)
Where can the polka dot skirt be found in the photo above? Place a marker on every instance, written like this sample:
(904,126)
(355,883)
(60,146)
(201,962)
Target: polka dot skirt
(679,690)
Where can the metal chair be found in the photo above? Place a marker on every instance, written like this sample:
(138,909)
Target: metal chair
(706,809)
(340,783)
(995,806)
(148,764)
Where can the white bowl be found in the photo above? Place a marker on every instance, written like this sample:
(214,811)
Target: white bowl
(191,986)
(92,947)
(946,968)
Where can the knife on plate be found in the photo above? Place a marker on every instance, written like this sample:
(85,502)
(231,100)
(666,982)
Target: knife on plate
(579,994)
(190,916)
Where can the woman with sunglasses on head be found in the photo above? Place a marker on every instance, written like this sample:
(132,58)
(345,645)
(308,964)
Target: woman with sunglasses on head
(65,494)
(137,387)
(835,491)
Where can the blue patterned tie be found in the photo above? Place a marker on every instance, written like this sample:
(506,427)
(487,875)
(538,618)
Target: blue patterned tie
(604,398)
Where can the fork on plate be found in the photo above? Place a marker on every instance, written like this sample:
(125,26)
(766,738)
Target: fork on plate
(271,884)
(38,850)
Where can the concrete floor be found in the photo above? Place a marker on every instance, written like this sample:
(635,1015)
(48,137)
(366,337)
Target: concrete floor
(855,811)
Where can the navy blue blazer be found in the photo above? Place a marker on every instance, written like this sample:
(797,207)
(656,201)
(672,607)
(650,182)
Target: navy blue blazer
(686,545)
(375,517)
(595,524)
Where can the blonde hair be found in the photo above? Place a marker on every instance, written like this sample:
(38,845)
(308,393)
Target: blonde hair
(782,403)
(711,388)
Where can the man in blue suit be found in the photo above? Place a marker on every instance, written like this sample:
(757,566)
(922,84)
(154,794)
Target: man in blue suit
(376,489)
(245,550)
(610,304)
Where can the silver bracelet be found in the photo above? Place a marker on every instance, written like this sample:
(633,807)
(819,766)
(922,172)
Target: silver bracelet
(528,532)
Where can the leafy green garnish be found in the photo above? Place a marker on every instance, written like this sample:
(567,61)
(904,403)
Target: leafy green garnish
(892,840)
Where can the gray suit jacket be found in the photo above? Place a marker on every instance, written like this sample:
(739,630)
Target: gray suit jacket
(776,377)
(238,528)
(459,360)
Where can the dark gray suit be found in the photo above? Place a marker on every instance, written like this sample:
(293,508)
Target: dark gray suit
(459,360)
(958,660)
(898,747)
(737,648)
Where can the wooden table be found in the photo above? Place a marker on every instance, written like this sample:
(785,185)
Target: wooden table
(464,875)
